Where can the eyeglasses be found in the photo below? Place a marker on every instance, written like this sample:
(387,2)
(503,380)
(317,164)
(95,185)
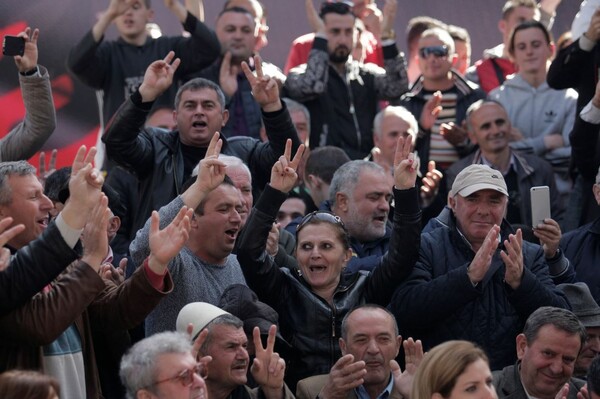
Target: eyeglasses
(437,51)
(323,216)
(186,377)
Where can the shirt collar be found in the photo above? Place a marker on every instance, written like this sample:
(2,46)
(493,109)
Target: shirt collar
(361,392)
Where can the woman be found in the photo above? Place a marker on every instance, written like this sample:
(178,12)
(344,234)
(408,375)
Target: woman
(454,370)
(313,299)
(25,384)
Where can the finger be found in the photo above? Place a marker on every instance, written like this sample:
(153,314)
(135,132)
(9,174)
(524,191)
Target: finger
(399,155)
(287,152)
(271,338)
(258,66)
(154,223)
(34,36)
(343,361)
(52,163)
(256,339)
(297,158)
(249,75)
(395,369)
(173,67)
(199,341)
(42,167)
(212,146)
(78,161)
(122,266)
(4,259)
(89,158)
(11,233)
(169,57)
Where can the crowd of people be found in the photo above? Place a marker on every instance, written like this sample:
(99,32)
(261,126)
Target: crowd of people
(360,226)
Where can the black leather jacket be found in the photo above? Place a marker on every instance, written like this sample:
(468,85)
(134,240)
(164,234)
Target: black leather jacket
(154,155)
(310,324)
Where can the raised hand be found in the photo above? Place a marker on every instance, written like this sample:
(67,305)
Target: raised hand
(483,258)
(513,259)
(166,243)
(273,240)
(264,88)
(431,110)
(413,355)
(44,172)
(268,368)
(211,171)
(431,182)
(405,165)
(345,375)
(315,22)
(283,173)
(95,238)
(109,272)
(549,234)
(390,9)
(118,7)
(454,134)
(159,77)
(29,59)
(176,8)
(228,75)
(6,236)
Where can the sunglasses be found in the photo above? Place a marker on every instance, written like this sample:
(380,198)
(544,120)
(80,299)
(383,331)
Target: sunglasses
(323,216)
(186,377)
(437,51)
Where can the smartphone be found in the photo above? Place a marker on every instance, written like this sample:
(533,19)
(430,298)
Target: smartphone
(13,45)
(540,204)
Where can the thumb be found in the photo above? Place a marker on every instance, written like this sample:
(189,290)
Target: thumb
(395,369)
(431,166)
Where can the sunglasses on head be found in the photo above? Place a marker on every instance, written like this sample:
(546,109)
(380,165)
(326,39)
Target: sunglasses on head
(437,51)
(322,216)
(186,377)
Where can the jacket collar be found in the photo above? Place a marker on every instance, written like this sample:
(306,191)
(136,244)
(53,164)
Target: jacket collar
(523,167)
(463,86)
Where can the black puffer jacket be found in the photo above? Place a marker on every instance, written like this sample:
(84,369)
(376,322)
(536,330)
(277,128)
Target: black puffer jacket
(438,303)
(310,324)
(154,155)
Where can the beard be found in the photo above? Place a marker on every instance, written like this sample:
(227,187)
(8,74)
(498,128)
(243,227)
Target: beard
(339,55)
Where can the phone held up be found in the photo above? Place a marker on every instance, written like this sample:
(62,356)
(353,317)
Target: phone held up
(13,45)
(540,204)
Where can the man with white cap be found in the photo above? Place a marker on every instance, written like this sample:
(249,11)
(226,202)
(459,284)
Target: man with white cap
(476,279)
(226,343)
(588,312)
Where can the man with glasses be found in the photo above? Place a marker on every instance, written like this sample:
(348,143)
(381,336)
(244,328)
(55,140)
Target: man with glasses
(439,100)
(163,367)
(343,94)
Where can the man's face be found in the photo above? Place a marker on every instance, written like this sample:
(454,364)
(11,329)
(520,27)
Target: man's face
(478,213)
(463,56)
(301,124)
(199,115)
(365,212)
(29,206)
(590,350)
(371,337)
(490,129)
(291,208)
(171,365)
(392,127)
(236,32)
(340,36)
(517,16)
(132,24)
(433,67)
(243,182)
(547,363)
(531,51)
(218,227)
(163,118)
(230,358)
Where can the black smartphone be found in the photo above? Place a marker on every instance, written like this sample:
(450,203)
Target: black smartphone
(13,45)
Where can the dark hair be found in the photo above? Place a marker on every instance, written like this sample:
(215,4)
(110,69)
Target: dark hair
(527,25)
(324,161)
(328,218)
(562,319)
(56,183)
(201,83)
(593,376)
(416,26)
(340,8)
(26,384)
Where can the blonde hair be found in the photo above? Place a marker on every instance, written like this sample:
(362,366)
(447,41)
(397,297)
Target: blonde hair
(442,366)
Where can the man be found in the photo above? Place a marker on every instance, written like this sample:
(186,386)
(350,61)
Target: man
(206,266)
(200,112)
(414,29)
(490,127)
(547,349)
(226,343)
(162,367)
(439,100)
(496,64)
(462,45)
(292,208)
(237,32)
(476,279)
(116,67)
(588,312)
(582,248)
(79,300)
(341,93)
(542,117)
(259,13)
(369,344)
(26,138)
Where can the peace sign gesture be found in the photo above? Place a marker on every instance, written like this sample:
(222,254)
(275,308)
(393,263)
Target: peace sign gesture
(283,173)
(405,165)
(264,88)
(268,368)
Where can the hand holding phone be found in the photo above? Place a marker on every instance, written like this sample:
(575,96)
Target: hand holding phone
(540,204)
(13,45)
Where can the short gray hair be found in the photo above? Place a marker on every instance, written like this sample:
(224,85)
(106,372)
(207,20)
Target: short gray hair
(7,169)
(139,365)
(399,112)
(234,162)
(345,178)
(295,106)
(562,319)
(226,319)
